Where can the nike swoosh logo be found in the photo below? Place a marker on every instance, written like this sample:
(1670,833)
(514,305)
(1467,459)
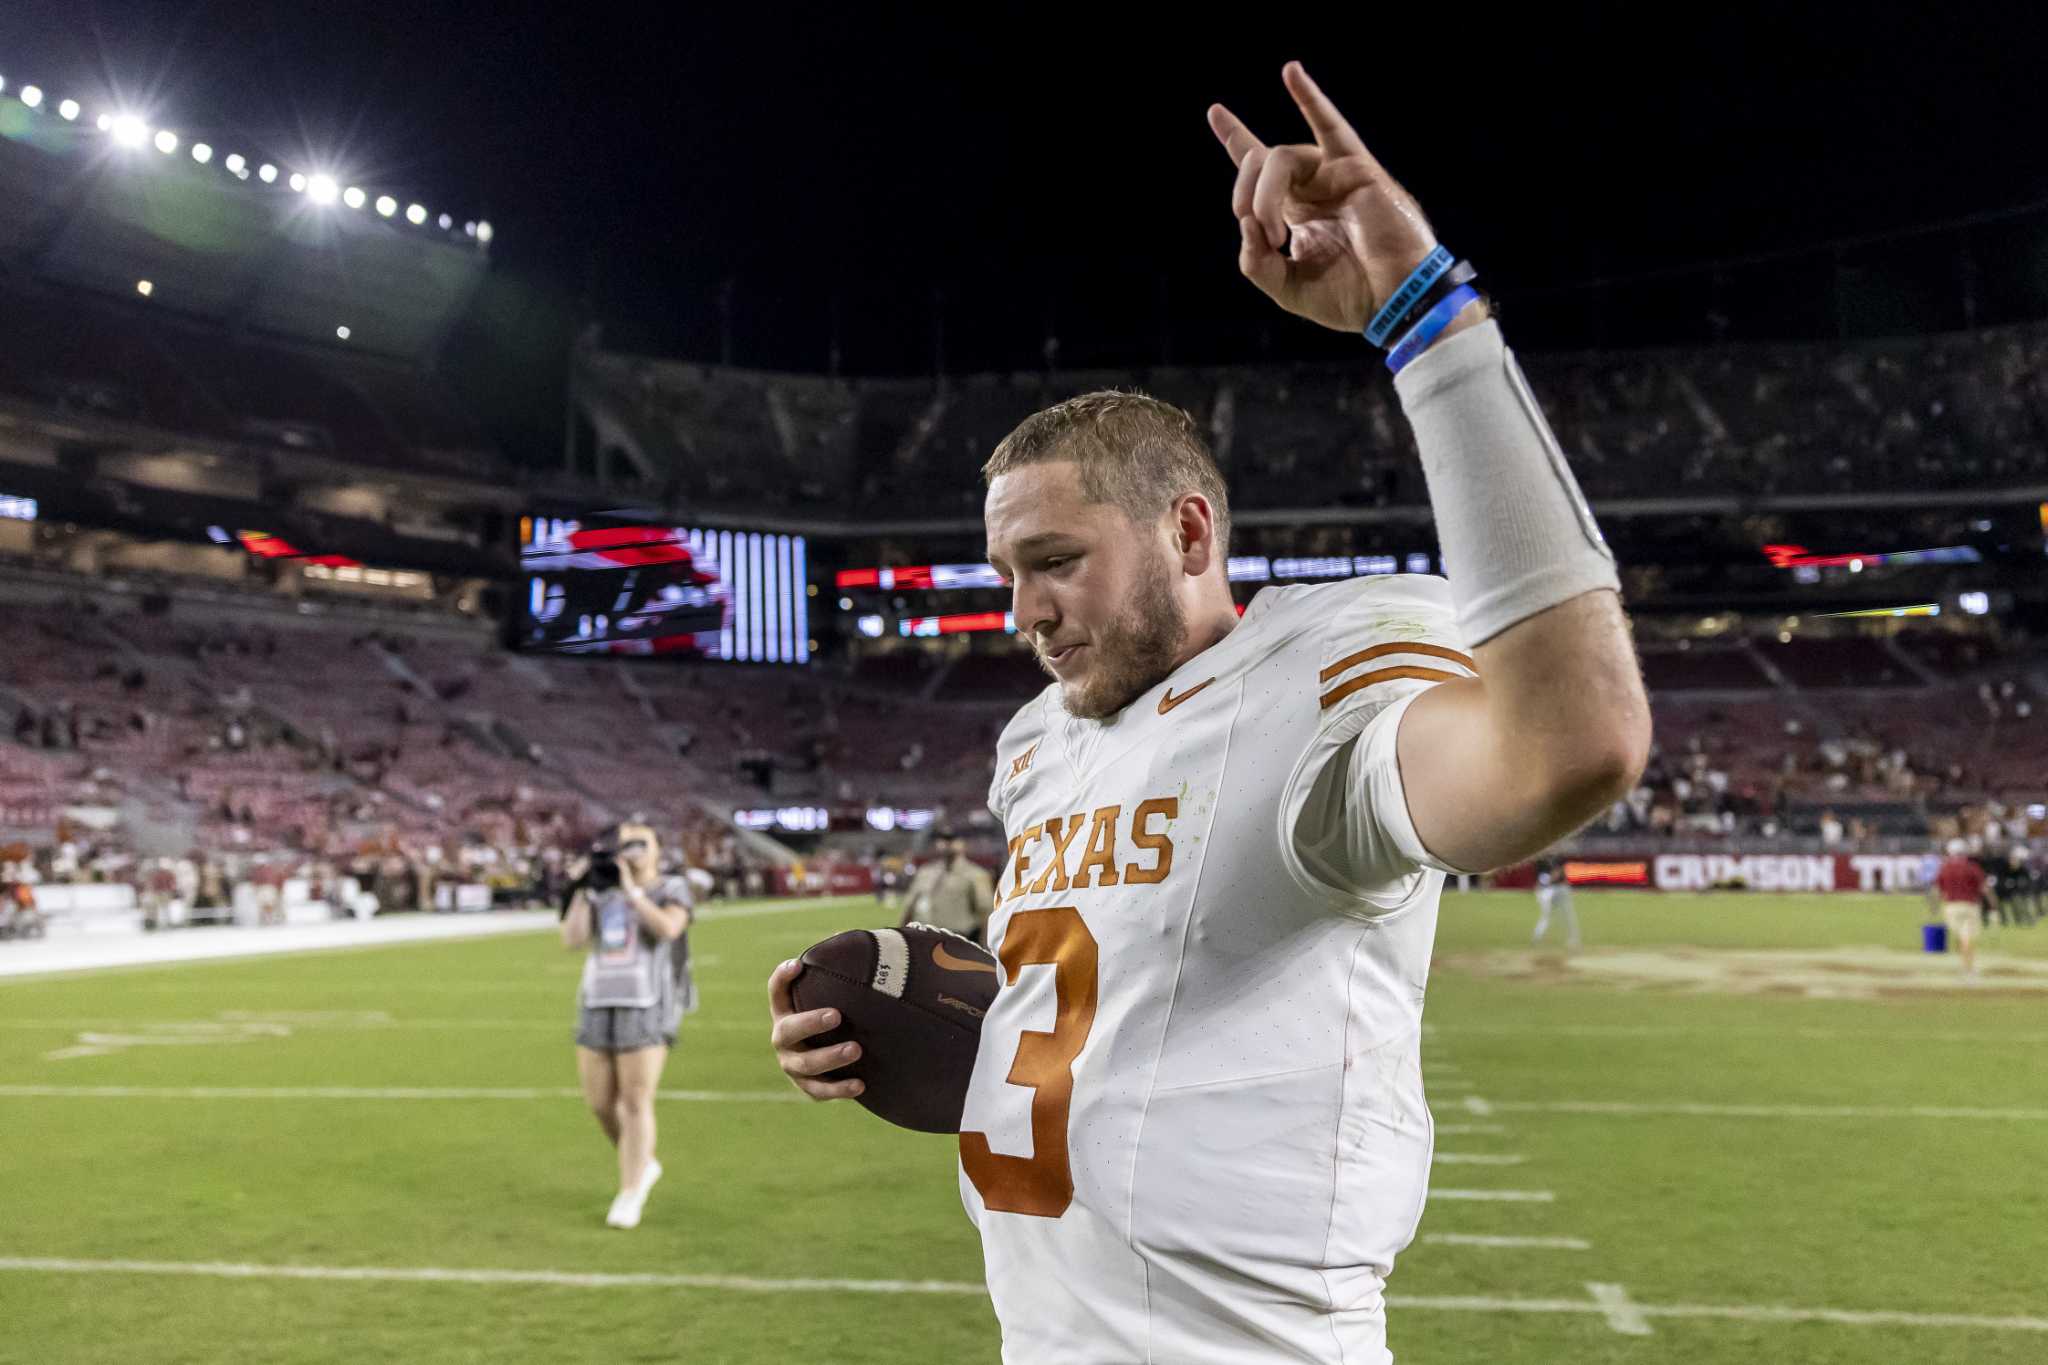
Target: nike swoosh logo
(1169,701)
(960,964)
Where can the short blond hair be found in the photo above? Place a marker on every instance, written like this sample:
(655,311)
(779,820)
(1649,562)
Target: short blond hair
(1131,449)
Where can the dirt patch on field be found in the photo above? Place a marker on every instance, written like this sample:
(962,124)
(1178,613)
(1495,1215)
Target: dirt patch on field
(1834,973)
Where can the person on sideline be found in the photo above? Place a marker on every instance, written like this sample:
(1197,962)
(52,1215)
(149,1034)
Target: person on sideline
(1554,898)
(1963,887)
(951,892)
(636,989)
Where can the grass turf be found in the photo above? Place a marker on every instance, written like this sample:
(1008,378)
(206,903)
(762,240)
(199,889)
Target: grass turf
(1903,1214)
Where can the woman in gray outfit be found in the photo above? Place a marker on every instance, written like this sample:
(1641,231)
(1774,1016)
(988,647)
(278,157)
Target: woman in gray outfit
(636,989)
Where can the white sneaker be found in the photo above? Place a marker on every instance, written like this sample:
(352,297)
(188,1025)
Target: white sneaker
(625,1212)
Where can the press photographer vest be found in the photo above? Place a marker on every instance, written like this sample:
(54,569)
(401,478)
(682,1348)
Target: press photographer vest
(630,967)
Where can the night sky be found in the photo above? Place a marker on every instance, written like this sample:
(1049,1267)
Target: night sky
(1049,170)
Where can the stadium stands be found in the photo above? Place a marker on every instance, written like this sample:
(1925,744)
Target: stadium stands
(1947,412)
(1708,668)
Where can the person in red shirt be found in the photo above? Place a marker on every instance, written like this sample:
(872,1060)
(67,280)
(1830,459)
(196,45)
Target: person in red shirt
(1963,888)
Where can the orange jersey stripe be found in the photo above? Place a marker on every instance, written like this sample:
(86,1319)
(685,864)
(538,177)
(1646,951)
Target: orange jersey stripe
(1381,651)
(1343,690)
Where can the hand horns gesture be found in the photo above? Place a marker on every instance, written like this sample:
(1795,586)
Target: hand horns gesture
(1323,229)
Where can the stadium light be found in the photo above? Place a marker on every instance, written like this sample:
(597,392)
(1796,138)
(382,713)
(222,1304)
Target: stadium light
(166,141)
(446,222)
(483,232)
(129,130)
(415,214)
(386,206)
(321,189)
(469,229)
(342,332)
(144,288)
(68,111)
(32,96)
(3,82)
(267,173)
(298,183)
(353,197)
(201,153)
(104,122)
(234,163)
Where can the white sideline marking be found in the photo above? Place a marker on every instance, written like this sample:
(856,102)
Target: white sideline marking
(63,956)
(1447,1129)
(1451,1087)
(1474,1105)
(353,1092)
(1759,1111)
(1466,1239)
(1622,1315)
(1733,1312)
(1478,1159)
(68,955)
(1501,1196)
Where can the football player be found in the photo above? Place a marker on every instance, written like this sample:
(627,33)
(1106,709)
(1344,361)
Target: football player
(1196,1129)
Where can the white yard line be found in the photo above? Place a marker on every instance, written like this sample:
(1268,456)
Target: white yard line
(1463,1129)
(1479,1158)
(1732,1312)
(1498,1196)
(1467,1239)
(566,1020)
(1816,1034)
(350,1092)
(791,907)
(569,1279)
(1636,1109)
(1622,1314)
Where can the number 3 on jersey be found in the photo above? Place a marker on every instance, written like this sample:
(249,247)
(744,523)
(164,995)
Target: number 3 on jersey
(1041,1184)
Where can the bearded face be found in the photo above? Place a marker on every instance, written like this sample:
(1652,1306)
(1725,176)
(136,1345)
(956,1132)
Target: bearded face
(1133,650)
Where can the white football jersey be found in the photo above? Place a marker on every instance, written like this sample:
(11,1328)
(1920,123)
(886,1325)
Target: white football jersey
(1196,1129)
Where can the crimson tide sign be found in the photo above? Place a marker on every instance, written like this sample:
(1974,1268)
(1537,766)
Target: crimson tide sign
(1787,871)
(1736,871)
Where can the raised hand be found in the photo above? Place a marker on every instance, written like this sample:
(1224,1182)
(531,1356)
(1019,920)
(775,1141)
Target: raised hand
(1323,229)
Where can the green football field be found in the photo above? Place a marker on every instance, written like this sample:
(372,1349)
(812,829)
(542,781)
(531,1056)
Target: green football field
(1733,1129)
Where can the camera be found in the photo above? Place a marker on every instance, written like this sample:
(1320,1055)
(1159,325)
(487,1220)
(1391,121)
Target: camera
(603,872)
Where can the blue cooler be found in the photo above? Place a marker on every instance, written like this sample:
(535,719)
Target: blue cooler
(1934,938)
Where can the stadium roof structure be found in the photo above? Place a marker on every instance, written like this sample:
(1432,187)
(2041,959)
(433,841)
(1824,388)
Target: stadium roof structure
(99,201)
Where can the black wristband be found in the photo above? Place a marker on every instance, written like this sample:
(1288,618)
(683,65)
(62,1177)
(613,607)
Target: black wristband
(1452,280)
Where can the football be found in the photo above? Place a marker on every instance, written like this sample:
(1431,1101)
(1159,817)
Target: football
(913,998)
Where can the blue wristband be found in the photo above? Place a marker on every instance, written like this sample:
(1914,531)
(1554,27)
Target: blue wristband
(1431,327)
(1413,288)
